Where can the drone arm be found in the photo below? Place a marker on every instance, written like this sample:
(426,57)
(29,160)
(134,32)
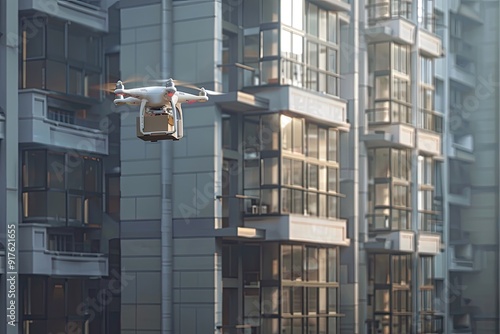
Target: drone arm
(184,97)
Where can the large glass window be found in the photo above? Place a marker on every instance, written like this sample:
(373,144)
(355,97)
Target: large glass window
(312,291)
(60,57)
(389,190)
(62,189)
(391,97)
(389,293)
(387,9)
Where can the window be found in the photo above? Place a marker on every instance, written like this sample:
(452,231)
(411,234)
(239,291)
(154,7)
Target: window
(62,189)
(314,293)
(70,63)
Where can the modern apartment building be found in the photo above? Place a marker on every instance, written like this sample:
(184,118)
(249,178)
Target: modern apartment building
(59,164)
(347,182)
(468,84)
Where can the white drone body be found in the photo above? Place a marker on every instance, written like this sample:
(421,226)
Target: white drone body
(160,112)
(157,97)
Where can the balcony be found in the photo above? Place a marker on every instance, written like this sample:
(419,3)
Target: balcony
(392,242)
(327,109)
(464,75)
(390,135)
(37,124)
(464,258)
(301,228)
(429,243)
(429,44)
(35,258)
(391,30)
(334,5)
(85,12)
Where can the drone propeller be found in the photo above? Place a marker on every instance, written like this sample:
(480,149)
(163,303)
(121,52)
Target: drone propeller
(111,86)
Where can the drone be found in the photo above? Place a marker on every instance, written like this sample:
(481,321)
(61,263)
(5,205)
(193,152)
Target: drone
(160,112)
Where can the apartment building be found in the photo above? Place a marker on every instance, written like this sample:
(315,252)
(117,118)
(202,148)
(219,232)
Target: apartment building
(468,81)
(346,182)
(59,169)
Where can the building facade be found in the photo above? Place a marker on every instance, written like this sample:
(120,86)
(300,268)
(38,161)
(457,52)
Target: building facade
(346,182)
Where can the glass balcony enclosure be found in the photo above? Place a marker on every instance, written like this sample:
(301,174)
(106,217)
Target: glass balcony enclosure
(61,189)
(285,42)
(292,165)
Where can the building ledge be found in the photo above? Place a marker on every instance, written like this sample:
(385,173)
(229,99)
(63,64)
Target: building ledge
(239,101)
(335,5)
(240,233)
(392,242)
(301,228)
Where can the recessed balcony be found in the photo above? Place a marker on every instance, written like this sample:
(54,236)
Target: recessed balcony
(464,75)
(301,228)
(85,12)
(39,124)
(464,258)
(36,257)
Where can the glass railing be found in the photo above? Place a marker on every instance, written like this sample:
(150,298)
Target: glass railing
(235,76)
(391,113)
(430,120)
(388,10)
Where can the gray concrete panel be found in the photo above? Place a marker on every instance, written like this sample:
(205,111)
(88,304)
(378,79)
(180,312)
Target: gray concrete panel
(196,279)
(148,208)
(148,59)
(194,164)
(184,188)
(137,167)
(140,247)
(200,140)
(148,317)
(187,320)
(129,291)
(141,263)
(132,149)
(197,296)
(127,208)
(190,227)
(194,246)
(128,317)
(137,16)
(145,185)
(148,287)
(194,262)
(204,31)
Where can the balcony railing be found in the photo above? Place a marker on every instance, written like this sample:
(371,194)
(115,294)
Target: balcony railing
(430,120)
(389,10)
(430,222)
(235,76)
(393,113)
(399,220)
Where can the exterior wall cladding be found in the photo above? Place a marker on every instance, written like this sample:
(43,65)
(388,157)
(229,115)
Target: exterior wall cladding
(346,182)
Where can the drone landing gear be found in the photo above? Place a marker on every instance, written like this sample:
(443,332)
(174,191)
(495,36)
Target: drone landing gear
(161,124)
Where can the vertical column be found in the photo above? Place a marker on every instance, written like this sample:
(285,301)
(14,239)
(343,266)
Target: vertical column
(9,289)
(349,297)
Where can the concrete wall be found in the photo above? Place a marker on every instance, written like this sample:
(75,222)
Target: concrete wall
(140,206)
